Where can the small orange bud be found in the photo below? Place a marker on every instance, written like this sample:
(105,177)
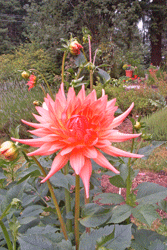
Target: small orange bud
(36,103)
(137,125)
(25,75)
(9,150)
(75,48)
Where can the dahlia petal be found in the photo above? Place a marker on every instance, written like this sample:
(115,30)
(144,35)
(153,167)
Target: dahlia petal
(31,124)
(30,142)
(116,136)
(71,95)
(66,150)
(85,175)
(77,160)
(90,152)
(81,94)
(102,161)
(58,163)
(43,150)
(118,152)
(118,120)
(40,132)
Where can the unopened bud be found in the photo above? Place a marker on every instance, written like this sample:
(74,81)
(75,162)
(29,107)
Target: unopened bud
(37,103)
(137,125)
(25,75)
(75,48)
(9,150)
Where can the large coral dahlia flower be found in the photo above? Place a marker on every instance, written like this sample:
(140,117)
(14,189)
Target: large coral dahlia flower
(79,127)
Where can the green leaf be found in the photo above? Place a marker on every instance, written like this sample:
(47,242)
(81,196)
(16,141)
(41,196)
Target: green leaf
(122,238)
(145,213)
(59,180)
(2,176)
(163,205)
(32,210)
(43,242)
(120,213)
(109,198)
(157,244)
(150,193)
(104,75)
(94,215)
(88,241)
(80,60)
(143,238)
(117,181)
(146,151)
(14,192)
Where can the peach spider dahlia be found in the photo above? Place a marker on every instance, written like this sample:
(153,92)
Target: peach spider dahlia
(80,127)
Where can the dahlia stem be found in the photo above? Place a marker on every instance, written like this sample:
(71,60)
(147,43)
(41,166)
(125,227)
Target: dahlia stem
(50,91)
(77,201)
(129,182)
(62,67)
(68,203)
(44,92)
(90,59)
(63,227)
(87,202)
(7,238)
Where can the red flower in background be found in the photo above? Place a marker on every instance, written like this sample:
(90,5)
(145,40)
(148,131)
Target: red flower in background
(32,82)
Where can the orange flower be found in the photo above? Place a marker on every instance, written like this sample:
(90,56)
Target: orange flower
(80,127)
(32,82)
(75,48)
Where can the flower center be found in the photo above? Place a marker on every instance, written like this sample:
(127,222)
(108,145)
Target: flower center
(78,122)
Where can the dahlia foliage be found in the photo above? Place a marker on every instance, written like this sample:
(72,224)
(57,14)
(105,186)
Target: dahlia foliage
(79,128)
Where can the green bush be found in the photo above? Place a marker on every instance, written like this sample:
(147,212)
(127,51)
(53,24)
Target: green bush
(156,125)
(27,56)
(16,103)
(145,99)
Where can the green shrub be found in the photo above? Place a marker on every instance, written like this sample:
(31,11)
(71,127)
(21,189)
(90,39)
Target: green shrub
(16,103)
(145,99)
(156,125)
(27,56)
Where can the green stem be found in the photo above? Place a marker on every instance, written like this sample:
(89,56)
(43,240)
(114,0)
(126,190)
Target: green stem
(63,227)
(44,92)
(62,67)
(7,238)
(77,201)
(129,182)
(50,91)
(68,203)
(14,244)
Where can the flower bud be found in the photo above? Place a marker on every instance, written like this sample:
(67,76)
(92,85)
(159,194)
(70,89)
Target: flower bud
(37,103)
(137,125)
(75,48)
(9,150)
(90,66)
(25,75)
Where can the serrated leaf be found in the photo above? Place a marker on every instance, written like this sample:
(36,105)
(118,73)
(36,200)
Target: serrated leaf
(163,205)
(157,244)
(120,214)
(146,151)
(94,215)
(117,181)
(80,60)
(44,241)
(122,238)
(109,198)
(150,193)
(143,238)
(88,241)
(104,75)
(145,213)
(59,180)
(14,192)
